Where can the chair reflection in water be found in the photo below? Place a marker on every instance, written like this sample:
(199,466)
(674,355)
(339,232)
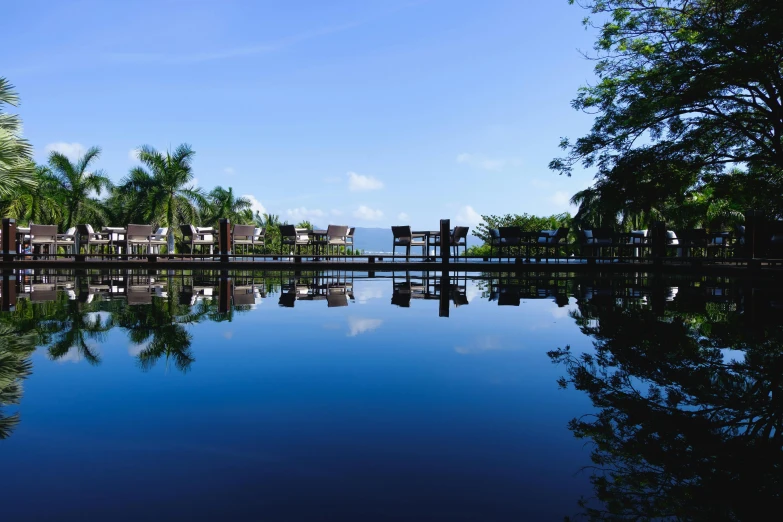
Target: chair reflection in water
(427,285)
(336,288)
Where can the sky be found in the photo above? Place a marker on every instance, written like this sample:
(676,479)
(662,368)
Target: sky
(360,113)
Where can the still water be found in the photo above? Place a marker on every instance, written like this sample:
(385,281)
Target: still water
(338,396)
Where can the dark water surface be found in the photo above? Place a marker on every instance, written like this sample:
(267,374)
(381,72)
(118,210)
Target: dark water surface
(334,396)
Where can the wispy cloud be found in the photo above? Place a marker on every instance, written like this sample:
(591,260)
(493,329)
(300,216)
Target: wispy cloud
(360,183)
(255,205)
(402,216)
(359,325)
(229,171)
(72,151)
(561,199)
(484,163)
(483,344)
(228,53)
(304,213)
(133,154)
(365,212)
(468,216)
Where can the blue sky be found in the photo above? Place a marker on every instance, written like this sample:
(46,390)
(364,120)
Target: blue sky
(366,113)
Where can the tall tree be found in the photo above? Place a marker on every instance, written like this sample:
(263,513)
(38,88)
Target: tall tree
(224,204)
(77,185)
(686,89)
(15,152)
(167,185)
(37,202)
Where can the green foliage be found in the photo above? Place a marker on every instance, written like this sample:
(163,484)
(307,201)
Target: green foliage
(73,184)
(685,90)
(15,152)
(527,222)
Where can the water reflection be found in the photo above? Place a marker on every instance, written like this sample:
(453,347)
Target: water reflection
(686,381)
(684,374)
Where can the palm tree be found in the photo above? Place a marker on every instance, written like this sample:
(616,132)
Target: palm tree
(15,152)
(76,184)
(224,204)
(171,197)
(266,220)
(37,202)
(16,347)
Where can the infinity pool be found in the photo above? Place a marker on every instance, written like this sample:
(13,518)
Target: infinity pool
(338,396)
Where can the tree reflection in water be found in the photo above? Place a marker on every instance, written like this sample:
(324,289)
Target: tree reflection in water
(16,346)
(684,429)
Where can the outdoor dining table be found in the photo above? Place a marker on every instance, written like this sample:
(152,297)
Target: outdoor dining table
(115,234)
(317,236)
(21,232)
(429,241)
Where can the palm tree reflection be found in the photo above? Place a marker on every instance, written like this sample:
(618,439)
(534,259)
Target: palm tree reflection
(683,429)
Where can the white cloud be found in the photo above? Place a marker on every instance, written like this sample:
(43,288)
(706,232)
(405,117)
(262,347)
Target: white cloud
(360,183)
(255,205)
(402,216)
(365,212)
(304,213)
(482,344)
(561,199)
(136,349)
(484,163)
(229,171)
(194,182)
(358,325)
(367,290)
(468,216)
(72,151)
(336,212)
(133,154)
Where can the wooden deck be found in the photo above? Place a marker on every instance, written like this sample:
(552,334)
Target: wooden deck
(387,263)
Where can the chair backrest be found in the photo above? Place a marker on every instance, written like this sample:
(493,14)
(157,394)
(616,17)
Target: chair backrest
(162,231)
(602,233)
(244,231)
(287,231)
(459,233)
(138,232)
(351,231)
(510,232)
(71,231)
(402,233)
(188,230)
(259,232)
(494,233)
(561,233)
(334,231)
(43,232)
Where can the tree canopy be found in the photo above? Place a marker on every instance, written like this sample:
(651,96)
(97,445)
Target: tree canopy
(687,92)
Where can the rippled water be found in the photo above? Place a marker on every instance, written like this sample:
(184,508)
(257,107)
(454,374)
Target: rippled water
(335,396)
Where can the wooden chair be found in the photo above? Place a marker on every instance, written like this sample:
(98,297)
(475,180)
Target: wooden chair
(335,237)
(44,235)
(193,238)
(403,237)
(243,235)
(291,237)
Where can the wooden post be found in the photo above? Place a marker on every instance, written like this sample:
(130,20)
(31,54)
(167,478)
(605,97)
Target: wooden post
(658,242)
(9,290)
(755,227)
(445,286)
(224,294)
(445,241)
(224,238)
(9,247)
